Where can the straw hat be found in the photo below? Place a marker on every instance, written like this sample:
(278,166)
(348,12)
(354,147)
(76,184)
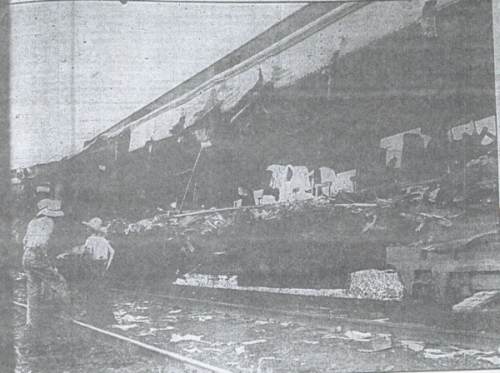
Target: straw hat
(49,207)
(95,224)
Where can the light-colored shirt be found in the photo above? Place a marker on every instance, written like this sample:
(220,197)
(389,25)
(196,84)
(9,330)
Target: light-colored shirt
(38,232)
(99,248)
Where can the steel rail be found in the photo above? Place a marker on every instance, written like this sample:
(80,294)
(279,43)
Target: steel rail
(466,337)
(172,355)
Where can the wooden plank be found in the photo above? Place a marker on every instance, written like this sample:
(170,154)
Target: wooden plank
(476,301)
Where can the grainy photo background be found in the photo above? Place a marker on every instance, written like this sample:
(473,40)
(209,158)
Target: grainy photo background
(223,187)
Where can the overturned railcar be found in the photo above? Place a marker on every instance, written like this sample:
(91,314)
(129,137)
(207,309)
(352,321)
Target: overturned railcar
(410,106)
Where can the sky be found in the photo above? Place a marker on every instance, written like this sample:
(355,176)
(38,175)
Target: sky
(68,86)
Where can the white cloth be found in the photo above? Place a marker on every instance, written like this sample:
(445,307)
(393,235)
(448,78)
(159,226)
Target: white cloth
(300,184)
(344,181)
(457,132)
(278,180)
(327,175)
(98,247)
(38,232)
(279,176)
(394,145)
(257,196)
(267,200)
(489,123)
(297,188)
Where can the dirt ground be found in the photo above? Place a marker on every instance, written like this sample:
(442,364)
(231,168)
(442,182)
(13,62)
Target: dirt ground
(234,340)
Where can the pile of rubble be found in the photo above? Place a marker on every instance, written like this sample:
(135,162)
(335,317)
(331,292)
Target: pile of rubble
(305,243)
(418,203)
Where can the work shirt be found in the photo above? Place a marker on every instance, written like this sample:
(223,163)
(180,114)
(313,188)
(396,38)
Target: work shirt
(99,248)
(38,232)
(36,243)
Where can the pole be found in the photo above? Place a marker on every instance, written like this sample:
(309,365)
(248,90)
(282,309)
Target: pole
(72,94)
(190,179)
(145,346)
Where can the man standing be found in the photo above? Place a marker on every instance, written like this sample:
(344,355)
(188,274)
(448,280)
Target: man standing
(100,254)
(97,246)
(37,266)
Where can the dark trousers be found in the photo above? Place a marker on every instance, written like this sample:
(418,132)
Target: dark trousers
(94,295)
(41,275)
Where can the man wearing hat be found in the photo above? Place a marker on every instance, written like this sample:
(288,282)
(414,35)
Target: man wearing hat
(37,266)
(100,254)
(97,246)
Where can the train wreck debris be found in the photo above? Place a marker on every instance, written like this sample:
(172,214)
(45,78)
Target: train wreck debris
(323,198)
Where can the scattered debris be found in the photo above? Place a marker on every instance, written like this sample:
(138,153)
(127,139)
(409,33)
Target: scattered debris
(125,327)
(266,364)
(308,342)
(202,318)
(261,322)
(254,342)
(416,346)
(183,338)
(152,331)
(381,320)
(203,280)
(495,360)
(240,350)
(146,333)
(192,350)
(230,282)
(128,318)
(379,342)
(213,349)
(431,353)
(358,336)
(333,336)
(472,352)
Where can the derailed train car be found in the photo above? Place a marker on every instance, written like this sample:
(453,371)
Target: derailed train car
(410,106)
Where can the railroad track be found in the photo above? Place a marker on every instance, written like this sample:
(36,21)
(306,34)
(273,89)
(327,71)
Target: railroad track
(402,330)
(141,305)
(144,346)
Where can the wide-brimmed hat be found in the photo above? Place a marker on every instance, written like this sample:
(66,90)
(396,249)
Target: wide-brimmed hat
(95,224)
(49,207)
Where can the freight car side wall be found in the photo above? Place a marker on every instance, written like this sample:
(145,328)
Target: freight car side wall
(400,82)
